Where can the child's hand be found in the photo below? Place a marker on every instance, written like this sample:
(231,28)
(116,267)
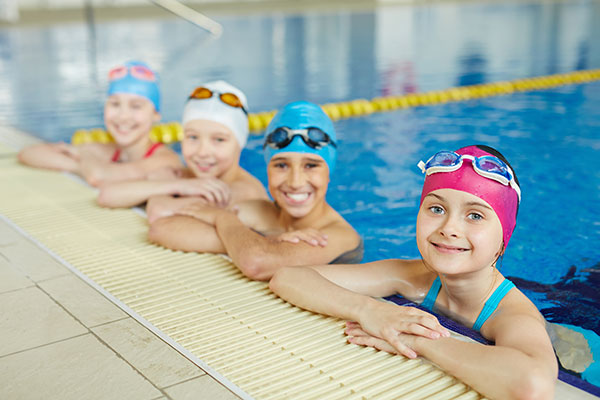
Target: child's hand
(215,191)
(308,235)
(389,322)
(357,336)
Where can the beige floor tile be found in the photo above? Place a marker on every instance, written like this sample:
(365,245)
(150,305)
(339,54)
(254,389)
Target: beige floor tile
(10,278)
(84,302)
(8,236)
(29,318)
(34,262)
(78,368)
(204,387)
(162,365)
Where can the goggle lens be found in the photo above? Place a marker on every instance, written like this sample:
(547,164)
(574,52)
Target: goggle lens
(201,93)
(444,159)
(117,73)
(493,165)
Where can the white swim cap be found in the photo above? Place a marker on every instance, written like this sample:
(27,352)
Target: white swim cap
(214,109)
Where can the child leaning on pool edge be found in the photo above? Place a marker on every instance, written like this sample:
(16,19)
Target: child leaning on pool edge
(215,127)
(467,214)
(298,227)
(131,109)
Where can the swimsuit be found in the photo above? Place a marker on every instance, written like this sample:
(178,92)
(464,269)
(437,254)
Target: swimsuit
(152,149)
(353,256)
(489,307)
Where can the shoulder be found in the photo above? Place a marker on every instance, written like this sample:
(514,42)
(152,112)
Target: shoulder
(515,314)
(247,187)
(164,150)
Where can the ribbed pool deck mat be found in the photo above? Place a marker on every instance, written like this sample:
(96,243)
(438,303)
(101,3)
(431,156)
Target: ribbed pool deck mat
(236,329)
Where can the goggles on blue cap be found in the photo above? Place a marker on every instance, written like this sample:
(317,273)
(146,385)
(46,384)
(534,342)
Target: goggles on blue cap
(302,127)
(487,166)
(313,137)
(137,78)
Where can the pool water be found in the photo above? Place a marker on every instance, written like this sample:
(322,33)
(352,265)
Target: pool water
(53,79)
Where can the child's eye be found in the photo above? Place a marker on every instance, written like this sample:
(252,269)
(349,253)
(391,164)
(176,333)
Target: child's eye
(220,139)
(280,165)
(436,209)
(311,165)
(475,216)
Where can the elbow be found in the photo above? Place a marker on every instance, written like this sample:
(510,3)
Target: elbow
(94,179)
(536,384)
(104,198)
(22,156)
(156,232)
(255,267)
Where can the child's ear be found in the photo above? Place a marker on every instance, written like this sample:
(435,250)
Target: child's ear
(157,116)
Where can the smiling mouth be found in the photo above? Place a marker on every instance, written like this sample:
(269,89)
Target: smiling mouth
(204,167)
(444,248)
(296,198)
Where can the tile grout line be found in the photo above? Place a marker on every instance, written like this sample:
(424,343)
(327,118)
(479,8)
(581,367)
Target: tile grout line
(91,332)
(163,336)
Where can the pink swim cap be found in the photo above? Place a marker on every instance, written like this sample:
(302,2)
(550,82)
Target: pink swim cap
(503,199)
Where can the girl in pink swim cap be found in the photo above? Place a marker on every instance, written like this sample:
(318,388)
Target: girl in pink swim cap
(467,214)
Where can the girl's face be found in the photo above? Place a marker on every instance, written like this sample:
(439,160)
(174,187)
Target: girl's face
(457,232)
(298,182)
(209,148)
(129,118)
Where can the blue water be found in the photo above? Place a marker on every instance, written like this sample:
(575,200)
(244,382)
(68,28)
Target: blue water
(53,79)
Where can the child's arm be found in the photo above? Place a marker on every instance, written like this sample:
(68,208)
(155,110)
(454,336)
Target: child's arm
(168,206)
(132,193)
(344,291)
(98,170)
(184,233)
(521,364)
(57,156)
(257,256)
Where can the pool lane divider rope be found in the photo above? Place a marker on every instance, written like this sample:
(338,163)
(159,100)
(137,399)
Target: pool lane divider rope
(172,131)
(233,328)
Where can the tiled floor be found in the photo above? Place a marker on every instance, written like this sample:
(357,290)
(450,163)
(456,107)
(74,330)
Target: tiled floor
(61,339)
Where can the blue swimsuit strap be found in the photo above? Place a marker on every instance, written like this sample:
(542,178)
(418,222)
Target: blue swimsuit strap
(432,295)
(490,306)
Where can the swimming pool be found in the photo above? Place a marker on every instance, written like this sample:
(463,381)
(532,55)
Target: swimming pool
(53,82)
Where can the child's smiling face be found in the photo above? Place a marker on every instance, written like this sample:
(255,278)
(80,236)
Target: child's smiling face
(457,232)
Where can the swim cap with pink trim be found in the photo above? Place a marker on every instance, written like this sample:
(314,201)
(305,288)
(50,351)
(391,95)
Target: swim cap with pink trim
(502,198)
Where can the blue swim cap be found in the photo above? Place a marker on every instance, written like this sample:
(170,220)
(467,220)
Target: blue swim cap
(135,77)
(302,115)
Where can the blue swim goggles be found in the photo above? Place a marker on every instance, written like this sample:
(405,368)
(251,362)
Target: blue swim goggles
(283,136)
(487,166)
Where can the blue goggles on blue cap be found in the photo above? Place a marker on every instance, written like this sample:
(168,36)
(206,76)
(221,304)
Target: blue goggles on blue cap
(302,127)
(282,136)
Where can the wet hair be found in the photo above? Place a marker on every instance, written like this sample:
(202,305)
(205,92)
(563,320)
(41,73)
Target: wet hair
(496,153)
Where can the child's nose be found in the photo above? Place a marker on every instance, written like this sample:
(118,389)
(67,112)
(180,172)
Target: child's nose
(296,177)
(450,226)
